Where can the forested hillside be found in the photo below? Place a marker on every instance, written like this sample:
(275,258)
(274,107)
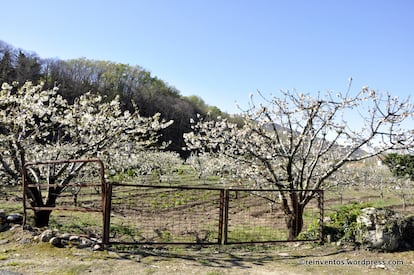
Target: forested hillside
(133,84)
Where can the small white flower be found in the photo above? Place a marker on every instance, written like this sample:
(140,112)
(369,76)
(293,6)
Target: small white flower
(6,86)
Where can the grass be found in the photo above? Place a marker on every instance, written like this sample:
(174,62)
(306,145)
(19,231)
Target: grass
(76,222)
(127,230)
(255,233)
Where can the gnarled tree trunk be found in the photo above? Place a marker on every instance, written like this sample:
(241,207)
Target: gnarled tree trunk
(293,215)
(294,223)
(42,216)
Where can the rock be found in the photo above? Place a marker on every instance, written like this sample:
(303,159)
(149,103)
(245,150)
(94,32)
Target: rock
(97,247)
(56,241)
(367,217)
(283,254)
(74,238)
(85,243)
(3,241)
(64,236)
(15,218)
(16,226)
(25,241)
(385,230)
(46,235)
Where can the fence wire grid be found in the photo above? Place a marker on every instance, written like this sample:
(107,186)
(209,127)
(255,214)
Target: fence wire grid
(143,214)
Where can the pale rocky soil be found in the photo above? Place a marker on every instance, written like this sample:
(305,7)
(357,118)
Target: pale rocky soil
(20,254)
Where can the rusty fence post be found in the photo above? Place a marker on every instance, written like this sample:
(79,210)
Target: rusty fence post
(223,216)
(321,214)
(221,213)
(226,216)
(107,213)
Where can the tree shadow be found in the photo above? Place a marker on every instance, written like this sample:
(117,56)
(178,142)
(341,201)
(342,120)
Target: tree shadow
(242,256)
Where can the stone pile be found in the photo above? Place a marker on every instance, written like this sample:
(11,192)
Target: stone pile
(54,237)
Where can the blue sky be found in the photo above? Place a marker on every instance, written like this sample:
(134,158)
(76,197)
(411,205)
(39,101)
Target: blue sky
(223,50)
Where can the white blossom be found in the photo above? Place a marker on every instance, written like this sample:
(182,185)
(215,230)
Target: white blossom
(39,124)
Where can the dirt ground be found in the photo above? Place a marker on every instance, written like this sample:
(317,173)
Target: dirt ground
(19,253)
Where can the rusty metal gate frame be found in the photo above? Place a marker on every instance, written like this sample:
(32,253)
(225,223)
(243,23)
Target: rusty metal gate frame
(102,184)
(108,204)
(222,230)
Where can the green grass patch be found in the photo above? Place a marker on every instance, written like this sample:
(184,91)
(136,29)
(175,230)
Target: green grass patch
(76,222)
(125,231)
(255,234)
(14,263)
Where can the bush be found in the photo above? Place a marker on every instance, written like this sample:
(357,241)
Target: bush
(342,224)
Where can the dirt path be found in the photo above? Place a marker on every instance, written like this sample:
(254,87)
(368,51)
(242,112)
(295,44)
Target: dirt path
(20,254)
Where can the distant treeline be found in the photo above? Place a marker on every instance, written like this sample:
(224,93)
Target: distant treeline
(130,83)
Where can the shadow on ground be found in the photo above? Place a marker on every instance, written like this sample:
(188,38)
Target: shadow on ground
(243,257)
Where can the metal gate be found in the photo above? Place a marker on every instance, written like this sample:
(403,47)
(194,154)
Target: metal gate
(154,214)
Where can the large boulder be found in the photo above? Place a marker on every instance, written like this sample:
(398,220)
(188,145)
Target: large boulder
(385,230)
(15,218)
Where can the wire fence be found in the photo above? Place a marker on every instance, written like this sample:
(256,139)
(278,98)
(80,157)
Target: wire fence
(146,214)
(254,216)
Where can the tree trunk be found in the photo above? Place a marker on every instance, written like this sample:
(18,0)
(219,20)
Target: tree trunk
(41,217)
(293,215)
(294,223)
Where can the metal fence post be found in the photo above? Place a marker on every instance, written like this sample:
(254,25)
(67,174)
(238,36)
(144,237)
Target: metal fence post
(226,215)
(221,213)
(321,214)
(107,213)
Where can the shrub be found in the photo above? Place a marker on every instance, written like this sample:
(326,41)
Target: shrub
(342,224)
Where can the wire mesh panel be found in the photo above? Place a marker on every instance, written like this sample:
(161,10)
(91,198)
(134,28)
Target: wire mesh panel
(154,214)
(257,216)
(146,214)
